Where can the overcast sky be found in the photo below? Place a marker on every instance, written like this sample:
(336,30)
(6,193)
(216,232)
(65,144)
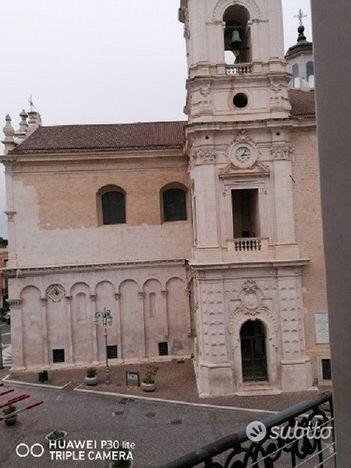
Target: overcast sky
(98,61)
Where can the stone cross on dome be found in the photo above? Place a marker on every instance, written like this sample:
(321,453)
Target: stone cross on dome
(300,16)
(301,29)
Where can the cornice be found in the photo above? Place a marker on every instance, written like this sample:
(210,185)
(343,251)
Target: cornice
(250,264)
(98,155)
(254,124)
(23,272)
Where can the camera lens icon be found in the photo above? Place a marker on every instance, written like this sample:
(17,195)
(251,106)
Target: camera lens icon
(256,431)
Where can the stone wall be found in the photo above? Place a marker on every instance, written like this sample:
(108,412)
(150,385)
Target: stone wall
(226,300)
(54,211)
(308,221)
(149,305)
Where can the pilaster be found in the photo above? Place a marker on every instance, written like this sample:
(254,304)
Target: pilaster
(17,335)
(296,368)
(70,328)
(45,335)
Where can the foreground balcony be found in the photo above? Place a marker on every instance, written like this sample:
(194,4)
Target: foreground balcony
(300,436)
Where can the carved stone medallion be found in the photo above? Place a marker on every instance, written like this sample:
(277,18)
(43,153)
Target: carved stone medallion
(55,293)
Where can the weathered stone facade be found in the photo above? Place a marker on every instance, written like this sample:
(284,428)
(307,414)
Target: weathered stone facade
(249,250)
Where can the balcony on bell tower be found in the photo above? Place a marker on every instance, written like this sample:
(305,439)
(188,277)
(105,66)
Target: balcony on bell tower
(237,41)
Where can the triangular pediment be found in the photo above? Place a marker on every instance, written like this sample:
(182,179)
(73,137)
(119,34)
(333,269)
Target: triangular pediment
(258,170)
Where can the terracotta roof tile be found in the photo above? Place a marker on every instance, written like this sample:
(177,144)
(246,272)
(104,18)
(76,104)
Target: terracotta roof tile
(104,137)
(129,136)
(302,102)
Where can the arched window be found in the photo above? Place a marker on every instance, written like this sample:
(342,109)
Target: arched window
(173,203)
(296,75)
(310,73)
(309,70)
(237,38)
(112,205)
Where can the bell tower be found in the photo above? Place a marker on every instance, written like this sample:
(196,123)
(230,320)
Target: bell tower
(235,52)
(246,262)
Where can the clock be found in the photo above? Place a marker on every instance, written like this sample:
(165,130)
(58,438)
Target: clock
(243,154)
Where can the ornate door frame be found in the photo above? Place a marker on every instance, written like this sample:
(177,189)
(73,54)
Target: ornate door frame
(252,308)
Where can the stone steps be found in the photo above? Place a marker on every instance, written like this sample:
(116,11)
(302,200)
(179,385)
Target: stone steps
(7,356)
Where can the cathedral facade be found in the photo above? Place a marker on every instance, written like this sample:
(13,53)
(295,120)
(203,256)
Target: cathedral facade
(203,238)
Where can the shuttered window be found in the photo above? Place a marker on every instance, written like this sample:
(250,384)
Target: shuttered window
(174,205)
(113,207)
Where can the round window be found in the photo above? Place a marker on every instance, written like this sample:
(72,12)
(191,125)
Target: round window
(240,100)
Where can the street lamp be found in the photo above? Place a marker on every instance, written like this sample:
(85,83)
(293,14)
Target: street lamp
(105,318)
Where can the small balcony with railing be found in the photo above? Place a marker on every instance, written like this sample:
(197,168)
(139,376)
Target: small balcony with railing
(245,244)
(248,249)
(238,69)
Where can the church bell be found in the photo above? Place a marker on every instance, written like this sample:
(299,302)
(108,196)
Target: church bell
(235,42)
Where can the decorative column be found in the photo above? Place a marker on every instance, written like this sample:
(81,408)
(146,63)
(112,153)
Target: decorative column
(44,328)
(283,195)
(205,177)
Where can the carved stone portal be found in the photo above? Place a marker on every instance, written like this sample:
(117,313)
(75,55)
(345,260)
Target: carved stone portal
(251,298)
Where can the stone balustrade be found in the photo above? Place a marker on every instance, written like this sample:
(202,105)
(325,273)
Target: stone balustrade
(239,69)
(248,244)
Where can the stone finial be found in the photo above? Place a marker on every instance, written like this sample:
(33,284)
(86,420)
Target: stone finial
(34,121)
(9,133)
(23,126)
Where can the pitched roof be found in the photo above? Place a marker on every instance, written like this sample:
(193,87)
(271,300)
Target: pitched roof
(302,102)
(145,135)
(104,137)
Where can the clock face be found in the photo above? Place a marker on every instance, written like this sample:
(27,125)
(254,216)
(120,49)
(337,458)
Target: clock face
(243,154)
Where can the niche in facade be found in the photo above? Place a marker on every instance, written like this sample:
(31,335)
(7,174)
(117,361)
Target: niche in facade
(237,41)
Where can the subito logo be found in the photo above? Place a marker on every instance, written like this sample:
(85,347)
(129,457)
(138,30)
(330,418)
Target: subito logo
(36,450)
(256,431)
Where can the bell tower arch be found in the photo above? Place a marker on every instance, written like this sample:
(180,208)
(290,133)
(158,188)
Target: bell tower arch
(236,44)
(238,139)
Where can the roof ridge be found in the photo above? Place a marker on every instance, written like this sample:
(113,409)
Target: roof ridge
(116,124)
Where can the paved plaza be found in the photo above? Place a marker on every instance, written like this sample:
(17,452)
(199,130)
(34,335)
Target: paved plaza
(161,432)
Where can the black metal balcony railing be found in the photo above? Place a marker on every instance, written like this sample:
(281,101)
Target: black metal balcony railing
(316,448)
